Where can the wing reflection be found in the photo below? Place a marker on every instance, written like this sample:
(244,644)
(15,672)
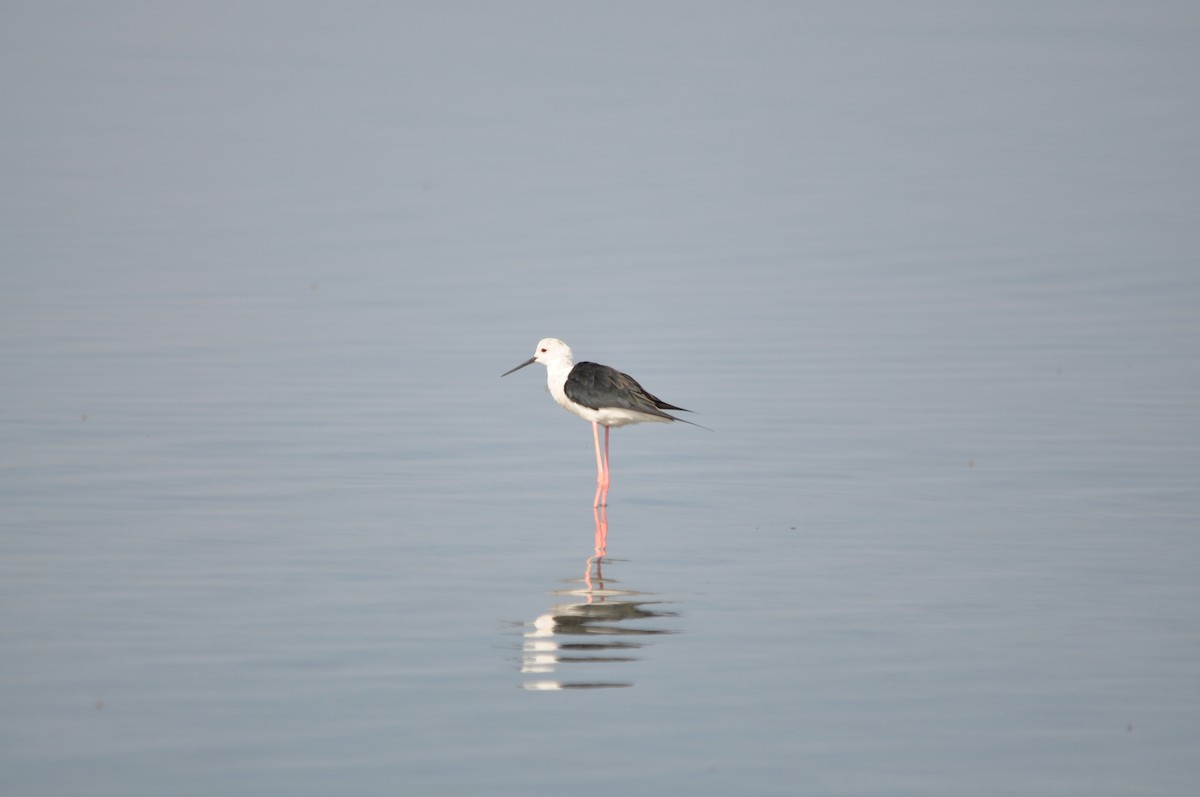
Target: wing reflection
(596,623)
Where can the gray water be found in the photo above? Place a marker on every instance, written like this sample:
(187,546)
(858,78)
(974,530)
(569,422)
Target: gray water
(272,523)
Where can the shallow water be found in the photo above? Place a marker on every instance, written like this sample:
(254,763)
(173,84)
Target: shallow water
(272,522)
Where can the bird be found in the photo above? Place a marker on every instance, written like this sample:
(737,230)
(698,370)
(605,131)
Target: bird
(601,395)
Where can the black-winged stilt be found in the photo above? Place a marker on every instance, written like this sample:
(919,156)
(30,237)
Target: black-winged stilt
(601,395)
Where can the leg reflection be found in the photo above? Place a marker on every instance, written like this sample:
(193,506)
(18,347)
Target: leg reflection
(597,624)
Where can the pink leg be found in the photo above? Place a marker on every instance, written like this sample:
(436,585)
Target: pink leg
(601,466)
(599,463)
(607,477)
(601,534)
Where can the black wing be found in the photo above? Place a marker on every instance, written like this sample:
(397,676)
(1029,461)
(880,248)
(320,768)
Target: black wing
(596,386)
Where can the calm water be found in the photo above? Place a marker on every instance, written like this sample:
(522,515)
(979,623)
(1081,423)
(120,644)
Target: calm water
(271,522)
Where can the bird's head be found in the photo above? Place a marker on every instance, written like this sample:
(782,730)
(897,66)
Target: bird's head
(548,350)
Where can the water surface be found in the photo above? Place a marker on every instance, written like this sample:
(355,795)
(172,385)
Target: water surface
(272,523)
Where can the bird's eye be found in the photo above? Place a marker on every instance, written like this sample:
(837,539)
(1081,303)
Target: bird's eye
(544,351)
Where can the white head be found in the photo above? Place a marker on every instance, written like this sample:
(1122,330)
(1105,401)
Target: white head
(549,352)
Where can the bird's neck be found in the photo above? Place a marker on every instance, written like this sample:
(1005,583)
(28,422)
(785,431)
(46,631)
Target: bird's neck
(556,376)
(560,367)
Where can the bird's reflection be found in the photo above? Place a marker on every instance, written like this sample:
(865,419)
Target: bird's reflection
(597,623)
